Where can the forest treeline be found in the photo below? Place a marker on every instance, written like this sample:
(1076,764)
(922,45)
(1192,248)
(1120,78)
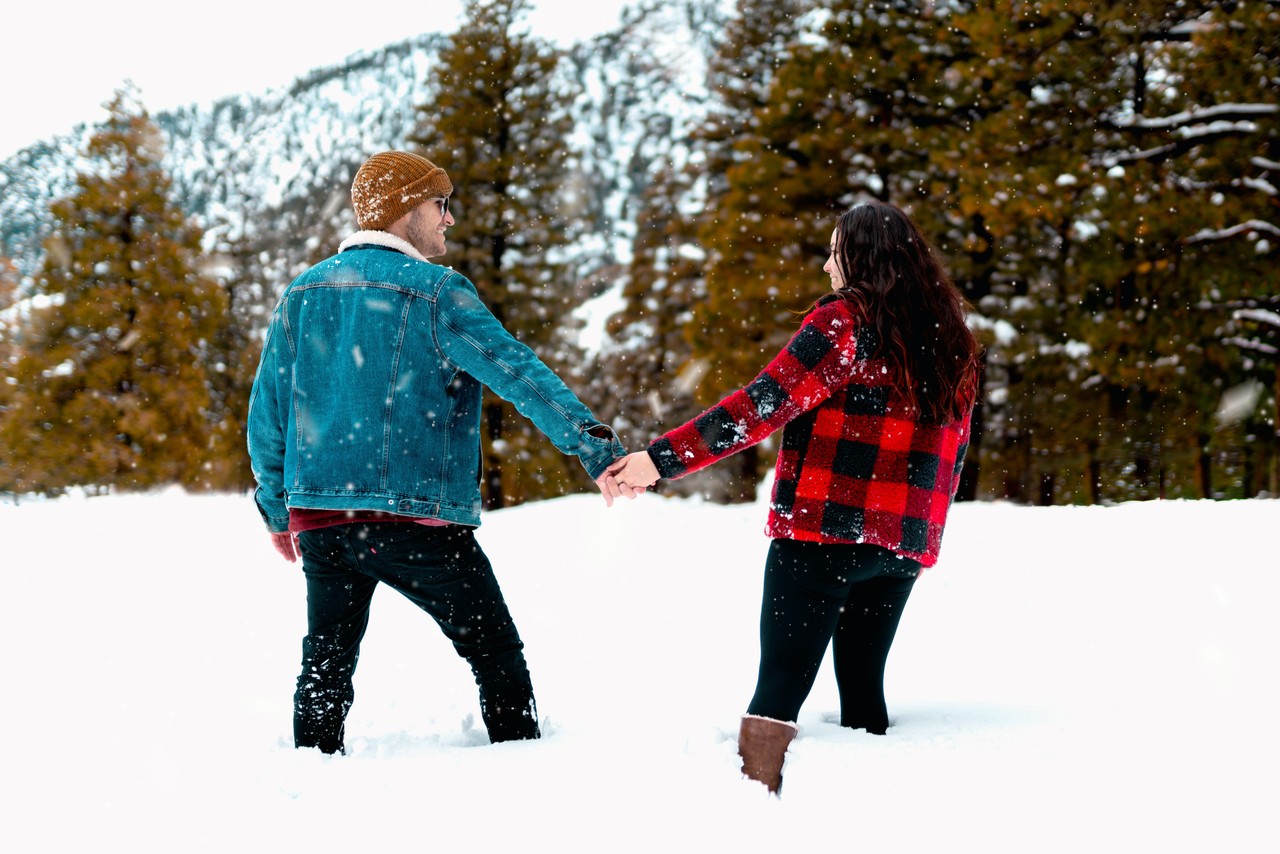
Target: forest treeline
(1101,178)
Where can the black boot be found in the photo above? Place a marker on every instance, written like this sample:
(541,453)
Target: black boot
(322,699)
(506,698)
(511,723)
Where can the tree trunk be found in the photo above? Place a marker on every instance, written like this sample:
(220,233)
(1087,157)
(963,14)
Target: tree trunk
(1095,477)
(1017,457)
(1205,469)
(1045,498)
(1141,475)
(1274,486)
(1247,470)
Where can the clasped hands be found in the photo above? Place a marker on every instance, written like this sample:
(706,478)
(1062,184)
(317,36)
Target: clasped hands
(627,477)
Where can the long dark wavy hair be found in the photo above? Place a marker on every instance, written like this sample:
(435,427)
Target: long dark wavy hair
(896,285)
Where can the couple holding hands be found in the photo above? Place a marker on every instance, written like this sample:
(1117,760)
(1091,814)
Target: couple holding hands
(364,438)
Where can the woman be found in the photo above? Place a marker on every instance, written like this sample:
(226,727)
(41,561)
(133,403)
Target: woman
(875,392)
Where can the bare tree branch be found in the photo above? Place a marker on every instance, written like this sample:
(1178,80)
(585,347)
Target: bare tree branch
(1213,235)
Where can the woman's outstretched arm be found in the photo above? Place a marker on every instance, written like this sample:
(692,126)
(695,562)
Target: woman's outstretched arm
(820,358)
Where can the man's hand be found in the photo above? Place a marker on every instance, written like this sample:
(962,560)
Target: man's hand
(286,544)
(610,488)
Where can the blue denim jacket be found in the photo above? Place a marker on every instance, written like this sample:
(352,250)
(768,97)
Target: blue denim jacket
(368,393)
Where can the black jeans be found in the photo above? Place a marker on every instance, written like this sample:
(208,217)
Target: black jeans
(850,596)
(441,570)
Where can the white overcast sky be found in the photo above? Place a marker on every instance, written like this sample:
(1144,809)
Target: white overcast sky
(61,61)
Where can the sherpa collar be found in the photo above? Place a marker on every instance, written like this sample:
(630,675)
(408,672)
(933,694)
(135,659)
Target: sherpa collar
(381,238)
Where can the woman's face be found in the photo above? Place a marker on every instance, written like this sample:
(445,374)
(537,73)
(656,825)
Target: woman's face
(832,267)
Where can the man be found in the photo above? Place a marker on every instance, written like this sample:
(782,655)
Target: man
(364,434)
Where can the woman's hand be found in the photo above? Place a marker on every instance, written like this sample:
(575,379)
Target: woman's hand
(634,470)
(627,477)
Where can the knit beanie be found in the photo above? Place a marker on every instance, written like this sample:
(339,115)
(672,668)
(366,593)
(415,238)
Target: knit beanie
(391,184)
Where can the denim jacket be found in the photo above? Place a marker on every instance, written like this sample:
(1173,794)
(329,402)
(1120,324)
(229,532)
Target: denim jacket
(368,393)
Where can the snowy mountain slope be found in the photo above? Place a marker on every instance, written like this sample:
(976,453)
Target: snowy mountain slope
(238,160)
(267,174)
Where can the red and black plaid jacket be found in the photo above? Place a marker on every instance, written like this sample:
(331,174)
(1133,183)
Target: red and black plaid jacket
(856,465)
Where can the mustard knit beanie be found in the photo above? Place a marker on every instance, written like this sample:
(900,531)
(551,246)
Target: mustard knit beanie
(391,184)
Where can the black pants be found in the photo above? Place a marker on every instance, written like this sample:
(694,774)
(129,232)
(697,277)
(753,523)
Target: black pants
(441,570)
(850,596)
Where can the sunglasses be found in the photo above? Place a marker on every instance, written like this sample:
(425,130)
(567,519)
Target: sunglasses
(443,204)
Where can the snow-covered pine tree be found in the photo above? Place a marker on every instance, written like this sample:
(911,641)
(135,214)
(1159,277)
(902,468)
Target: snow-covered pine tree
(1226,133)
(1144,380)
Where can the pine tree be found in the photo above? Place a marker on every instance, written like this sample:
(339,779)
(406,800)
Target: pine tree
(1091,165)
(9,343)
(1131,293)
(1030,82)
(115,374)
(1226,137)
(500,127)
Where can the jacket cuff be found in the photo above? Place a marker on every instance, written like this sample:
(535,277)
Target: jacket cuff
(665,459)
(597,461)
(276,523)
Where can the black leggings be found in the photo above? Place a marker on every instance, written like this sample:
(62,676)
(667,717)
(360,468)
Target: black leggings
(851,596)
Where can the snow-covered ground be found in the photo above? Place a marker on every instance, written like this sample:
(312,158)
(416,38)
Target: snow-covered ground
(1067,679)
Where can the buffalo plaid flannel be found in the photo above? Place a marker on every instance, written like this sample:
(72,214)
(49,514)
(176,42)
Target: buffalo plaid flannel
(856,465)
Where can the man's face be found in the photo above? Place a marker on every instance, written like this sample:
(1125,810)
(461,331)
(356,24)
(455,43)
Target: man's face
(425,227)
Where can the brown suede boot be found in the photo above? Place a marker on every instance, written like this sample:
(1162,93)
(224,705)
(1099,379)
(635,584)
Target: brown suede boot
(762,744)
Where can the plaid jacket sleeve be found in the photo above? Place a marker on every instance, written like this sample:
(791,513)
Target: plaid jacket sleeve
(818,360)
